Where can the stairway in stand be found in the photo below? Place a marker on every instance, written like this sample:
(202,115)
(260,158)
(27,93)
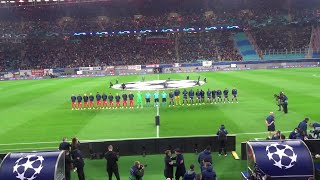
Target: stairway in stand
(245,47)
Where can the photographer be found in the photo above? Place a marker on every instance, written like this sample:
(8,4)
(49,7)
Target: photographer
(315,131)
(136,171)
(295,134)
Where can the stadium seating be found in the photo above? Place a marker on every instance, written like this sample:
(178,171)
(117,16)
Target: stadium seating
(245,47)
(30,42)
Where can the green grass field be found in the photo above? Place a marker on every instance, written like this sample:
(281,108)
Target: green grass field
(35,115)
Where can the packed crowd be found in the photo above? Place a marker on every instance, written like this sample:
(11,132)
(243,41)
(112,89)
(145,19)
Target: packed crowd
(282,38)
(117,50)
(42,37)
(208,45)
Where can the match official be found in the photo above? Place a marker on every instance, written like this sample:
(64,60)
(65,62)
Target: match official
(164,98)
(148,96)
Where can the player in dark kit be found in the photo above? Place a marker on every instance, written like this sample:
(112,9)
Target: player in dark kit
(131,96)
(104,101)
(85,100)
(219,94)
(98,98)
(209,100)
(202,96)
(185,97)
(118,100)
(191,96)
(171,96)
(214,92)
(91,98)
(79,99)
(73,101)
(177,96)
(124,100)
(234,95)
(110,97)
(226,93)
(198,94)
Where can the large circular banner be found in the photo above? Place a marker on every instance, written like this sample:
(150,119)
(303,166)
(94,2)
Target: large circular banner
(160,85)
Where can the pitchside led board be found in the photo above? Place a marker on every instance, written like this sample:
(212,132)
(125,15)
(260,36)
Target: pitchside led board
(287,159)
(33,166)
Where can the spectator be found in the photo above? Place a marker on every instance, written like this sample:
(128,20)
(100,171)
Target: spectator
(303,125)
(64,145)
(295,134)
(208,172)
(190,174)
(205,155)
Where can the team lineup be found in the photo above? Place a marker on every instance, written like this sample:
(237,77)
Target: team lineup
(190,97)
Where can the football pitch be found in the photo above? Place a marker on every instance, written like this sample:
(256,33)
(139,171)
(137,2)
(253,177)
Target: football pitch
(36,114)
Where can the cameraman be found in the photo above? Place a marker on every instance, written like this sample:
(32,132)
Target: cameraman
(284,102)
(136,171)
(222,137)
(278,101)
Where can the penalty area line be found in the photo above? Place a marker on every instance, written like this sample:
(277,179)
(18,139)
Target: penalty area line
(99,140)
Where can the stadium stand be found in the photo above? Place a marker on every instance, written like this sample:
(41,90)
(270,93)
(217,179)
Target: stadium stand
(38,36)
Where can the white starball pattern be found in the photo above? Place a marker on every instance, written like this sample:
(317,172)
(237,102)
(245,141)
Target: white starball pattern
(28,167)
(283,156)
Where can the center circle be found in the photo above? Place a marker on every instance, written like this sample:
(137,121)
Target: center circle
(159,85)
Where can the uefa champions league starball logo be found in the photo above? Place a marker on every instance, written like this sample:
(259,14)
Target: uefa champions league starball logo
(283,156)
(28,167)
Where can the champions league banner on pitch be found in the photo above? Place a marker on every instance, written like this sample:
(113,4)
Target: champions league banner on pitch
(288,159)
(33,166)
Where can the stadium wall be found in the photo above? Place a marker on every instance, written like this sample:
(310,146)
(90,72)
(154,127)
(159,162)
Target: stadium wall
(205,66)
(128,147)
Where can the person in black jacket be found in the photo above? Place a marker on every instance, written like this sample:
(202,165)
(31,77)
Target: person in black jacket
(136,171)
(168,170)
(75,146)
(205,155)
(181,168)
(222,138)
(64,145)
(68,165)
(208,172)
(79,165)
(112,165)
